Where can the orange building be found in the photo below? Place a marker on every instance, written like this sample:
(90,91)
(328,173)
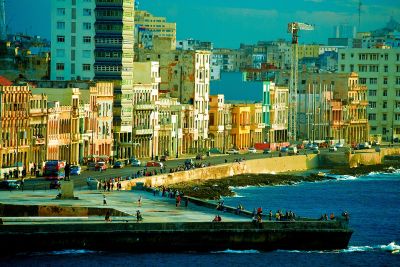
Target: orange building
(14,116)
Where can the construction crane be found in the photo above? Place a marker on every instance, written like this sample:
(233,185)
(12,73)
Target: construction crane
(294,28)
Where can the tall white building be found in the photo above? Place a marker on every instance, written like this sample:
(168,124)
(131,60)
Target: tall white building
(72,39)
(379,69)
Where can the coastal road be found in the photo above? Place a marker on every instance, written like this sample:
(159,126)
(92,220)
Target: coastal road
(80,181)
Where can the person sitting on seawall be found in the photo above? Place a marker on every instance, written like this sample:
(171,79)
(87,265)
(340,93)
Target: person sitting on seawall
(346,216)
(332,216)
(217,218)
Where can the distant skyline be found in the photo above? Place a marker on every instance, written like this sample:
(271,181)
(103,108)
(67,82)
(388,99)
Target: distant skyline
(227,23)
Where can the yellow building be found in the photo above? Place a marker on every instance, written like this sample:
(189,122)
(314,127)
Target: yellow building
(15,122)
(149,26)
(256,124)
(241,121)
(308,51)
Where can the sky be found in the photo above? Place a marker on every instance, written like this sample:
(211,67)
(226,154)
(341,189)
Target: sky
(227,23)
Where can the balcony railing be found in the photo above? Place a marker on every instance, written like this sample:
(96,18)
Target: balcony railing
(143,131)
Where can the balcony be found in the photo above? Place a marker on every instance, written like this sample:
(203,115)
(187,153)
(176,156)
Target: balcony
(156,80)
(144,107)
(143,131)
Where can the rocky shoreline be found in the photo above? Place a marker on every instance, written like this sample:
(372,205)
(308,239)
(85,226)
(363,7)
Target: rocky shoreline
(215,189)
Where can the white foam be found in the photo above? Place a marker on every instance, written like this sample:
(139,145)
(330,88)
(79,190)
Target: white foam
(231,251)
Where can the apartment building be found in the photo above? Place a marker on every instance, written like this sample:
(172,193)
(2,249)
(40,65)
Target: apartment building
(379,70)
(15,127)
(72,39)
(148,26)
(185,75)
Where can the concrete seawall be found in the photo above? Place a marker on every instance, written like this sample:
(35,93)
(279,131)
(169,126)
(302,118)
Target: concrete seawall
(265,165)
(154,237)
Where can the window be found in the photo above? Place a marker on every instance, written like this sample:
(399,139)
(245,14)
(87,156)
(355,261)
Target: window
(87,39)
(60,25)
(384,92)
(60,39)
(351,67)
(363,80)
(385,80)
(398,68)
(385,68)
(397,80)
(343,56)
(87,26)
(373,68)
(384,117)
(384,130)
(372,93)
(60,78)
(362,68)
(85,67)
(386,56)
(60,66)
(341,67)
(60,11)
(384,104)
(397,92)
(373,80)
(87,12)
(372,117)
(372,104)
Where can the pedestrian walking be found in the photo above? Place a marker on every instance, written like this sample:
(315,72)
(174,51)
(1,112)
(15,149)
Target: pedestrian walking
(22,184)
(107,218)
(140,201)
(104,200)
(139,217)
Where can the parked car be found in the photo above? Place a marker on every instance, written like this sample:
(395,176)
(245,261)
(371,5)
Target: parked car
(338,145)
(315,147)
(101,166)
(92,182)
(215,150)
(55,184)
(189,162)
(75,170)
(164,158)
(267,151)
(200,156)
(332,148)
(10,184)
(364,145)
(118,165)
(284,149)
(92,166)
(154,164)
(252,150)
(135,163)
(292,150)
(232,151)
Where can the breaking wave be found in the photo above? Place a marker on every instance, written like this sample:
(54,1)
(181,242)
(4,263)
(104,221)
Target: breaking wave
(391,247)
(231,251)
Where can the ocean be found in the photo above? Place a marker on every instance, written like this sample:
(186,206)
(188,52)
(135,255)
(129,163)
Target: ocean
(372,200)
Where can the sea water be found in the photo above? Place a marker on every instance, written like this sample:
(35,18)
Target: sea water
(373,202)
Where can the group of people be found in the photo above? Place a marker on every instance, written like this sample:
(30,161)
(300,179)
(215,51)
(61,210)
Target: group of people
(108,185)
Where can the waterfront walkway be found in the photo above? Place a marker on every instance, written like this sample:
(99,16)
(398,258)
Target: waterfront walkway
(154,209)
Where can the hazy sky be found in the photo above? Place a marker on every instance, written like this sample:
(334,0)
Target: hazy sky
(228,23)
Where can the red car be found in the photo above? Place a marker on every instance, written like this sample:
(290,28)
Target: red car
(154,164)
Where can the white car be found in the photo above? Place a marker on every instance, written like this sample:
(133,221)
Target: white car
(339,145)
(232,151)
(332,148)
(252,150)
